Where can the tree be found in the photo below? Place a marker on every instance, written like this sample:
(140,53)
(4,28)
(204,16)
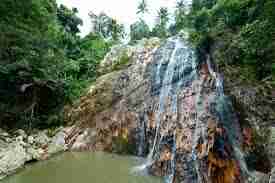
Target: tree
(68,19)
(44,63)
(31,61)
(142,7)
(100,23)
(139,30)
(160,29)
(69,24)
(250,26)
(163,16)
(106,26)
(180,17)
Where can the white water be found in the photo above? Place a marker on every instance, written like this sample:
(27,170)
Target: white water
(181,60)
(165,93)
(216,76)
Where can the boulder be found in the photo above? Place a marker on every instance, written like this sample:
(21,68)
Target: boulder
(16,151)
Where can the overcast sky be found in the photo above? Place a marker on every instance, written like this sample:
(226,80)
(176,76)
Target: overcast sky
(122,10)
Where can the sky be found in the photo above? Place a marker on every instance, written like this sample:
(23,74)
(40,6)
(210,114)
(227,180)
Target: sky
(124,11)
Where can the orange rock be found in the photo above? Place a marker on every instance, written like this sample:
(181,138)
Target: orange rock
(222,171)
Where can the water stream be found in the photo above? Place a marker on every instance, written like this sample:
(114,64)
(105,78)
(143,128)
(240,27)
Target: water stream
(176,67)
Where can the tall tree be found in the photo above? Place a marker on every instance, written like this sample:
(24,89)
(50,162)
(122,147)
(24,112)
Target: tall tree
(142,7)
(70,23)
(160,29)
(31,61)
(69,19)
(163,16)
(139,30)
(180,16)
(117,30)
(106,26)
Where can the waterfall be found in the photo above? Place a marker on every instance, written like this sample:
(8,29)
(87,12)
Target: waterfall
(180,70)
(177,68)
(216,76)
(164,93)
(192,101)
(170,177)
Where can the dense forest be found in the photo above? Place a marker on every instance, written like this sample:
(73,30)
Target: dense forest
(45,64)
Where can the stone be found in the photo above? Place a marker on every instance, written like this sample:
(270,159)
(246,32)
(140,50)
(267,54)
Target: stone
(16,152)
(126,108)
(57,143)
(258,177)
(271,147)
(20,132)
(30,139)
(83,140)
(41,139)
(12,158)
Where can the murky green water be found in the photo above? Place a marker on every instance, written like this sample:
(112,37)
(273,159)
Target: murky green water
(82,168)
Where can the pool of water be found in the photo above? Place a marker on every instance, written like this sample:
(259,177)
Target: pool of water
(82,168)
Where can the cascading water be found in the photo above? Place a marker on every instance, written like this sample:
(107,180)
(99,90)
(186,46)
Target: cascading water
(164,94)
(216,76)
(196,135)
(170,75)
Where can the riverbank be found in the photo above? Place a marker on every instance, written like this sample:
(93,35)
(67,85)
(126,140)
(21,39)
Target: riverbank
(19,148)
(82,167)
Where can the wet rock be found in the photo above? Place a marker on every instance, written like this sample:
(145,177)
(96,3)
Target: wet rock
(3,134)
(21,133)
(41,139)
(12,157)
(271,147)
(258,177)
(16,151)
(57,143)
(161,102)
(30,139)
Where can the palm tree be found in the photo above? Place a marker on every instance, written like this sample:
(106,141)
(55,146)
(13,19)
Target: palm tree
(163,16)
(100,23)
(160,29)
(180,15)
(142,7)
(180,5)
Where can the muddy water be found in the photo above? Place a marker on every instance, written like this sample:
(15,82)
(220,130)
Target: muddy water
(82,168)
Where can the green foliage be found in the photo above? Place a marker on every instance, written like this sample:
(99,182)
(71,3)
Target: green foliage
(180,18)
(69,27)
(160,30)
(79,73)
(107,27)
(139,30)
(68,19)
(142,7)
(93,49)
(122,62)
(248,23)
(43,62)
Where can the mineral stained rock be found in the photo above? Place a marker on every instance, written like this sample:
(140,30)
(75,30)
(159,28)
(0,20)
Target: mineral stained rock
(167,106)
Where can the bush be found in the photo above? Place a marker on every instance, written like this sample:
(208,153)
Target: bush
(249,24)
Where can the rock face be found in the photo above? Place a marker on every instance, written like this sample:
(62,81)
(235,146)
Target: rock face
(107,117)
(19,149)
(165,105)
(254,102)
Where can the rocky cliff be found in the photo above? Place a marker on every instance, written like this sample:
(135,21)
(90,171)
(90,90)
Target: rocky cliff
(157,100)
